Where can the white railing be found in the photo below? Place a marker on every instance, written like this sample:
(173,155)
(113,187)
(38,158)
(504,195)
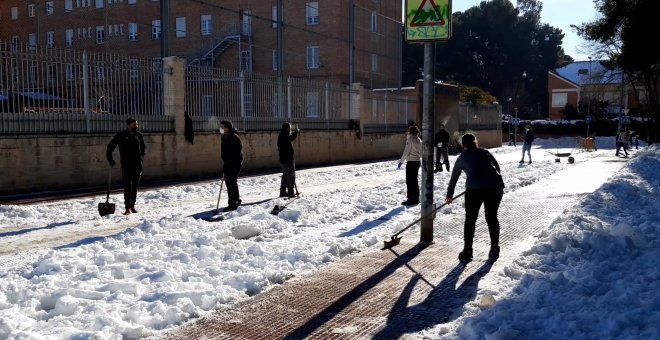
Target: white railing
(66,84)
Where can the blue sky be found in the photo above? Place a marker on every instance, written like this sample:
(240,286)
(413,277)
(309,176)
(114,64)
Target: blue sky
(557,13)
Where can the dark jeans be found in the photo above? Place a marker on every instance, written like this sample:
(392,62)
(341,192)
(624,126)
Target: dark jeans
(491,199)
(288,179)
(441,156)
(412,168)
(231,179)
(620,145)
(131,176)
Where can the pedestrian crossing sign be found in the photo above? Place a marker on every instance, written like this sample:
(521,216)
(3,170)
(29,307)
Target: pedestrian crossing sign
(428,20)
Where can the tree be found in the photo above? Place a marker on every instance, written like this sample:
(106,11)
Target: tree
(493,45)
(625,26)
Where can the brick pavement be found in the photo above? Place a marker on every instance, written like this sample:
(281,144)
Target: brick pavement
(383,294)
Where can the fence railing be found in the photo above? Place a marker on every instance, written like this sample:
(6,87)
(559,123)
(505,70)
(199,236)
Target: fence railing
(257,102)
(51,90)
(385,112)
(69,123)
(67,87)
(479,117)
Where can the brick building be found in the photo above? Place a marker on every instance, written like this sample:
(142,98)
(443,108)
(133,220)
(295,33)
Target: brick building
(224,33)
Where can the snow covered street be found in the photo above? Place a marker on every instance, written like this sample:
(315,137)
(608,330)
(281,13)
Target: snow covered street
(67,272)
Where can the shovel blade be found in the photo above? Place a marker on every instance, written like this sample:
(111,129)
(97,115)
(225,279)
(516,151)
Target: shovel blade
(106,208)
(276,209)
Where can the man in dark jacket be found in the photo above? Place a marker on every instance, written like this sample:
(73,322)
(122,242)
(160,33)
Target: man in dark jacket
(131,156)
(442,143)
(231,152)
(287,159)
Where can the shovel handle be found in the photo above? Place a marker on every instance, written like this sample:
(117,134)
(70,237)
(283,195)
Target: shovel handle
(107,196)
(222,182)
(425,216)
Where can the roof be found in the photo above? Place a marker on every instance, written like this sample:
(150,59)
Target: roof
(578,72)
(567,81)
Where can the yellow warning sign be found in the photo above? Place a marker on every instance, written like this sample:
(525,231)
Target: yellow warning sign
(428,20)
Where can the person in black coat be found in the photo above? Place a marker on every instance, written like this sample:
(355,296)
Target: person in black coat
(131,155)
(441,141)
(231,152)
(527,145)
(287,159)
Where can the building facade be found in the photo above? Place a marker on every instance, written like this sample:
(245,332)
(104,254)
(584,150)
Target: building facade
(224,33)
(585,80)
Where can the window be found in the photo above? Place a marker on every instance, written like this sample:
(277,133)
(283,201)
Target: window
(70,72)
(312,10)
(15,42)
(50,73)
(313,105)
(312,57)
(274,60)
(208,106)
(69,38)
(100,34)
(274,16)
(207,25)
(374,22)
(14,13)
(181,27)
(134,68)
(50,39)
(32,41)
(155,29)
(50,8)
(559,99)
(33,74)
(132,2)
(132,31)
(100,72)
(31,10)
(68,5)
(374,62)
(99,3)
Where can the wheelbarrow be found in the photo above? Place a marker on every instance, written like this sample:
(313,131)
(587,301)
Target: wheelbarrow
(560,155)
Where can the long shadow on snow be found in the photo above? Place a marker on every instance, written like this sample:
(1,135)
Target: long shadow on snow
(367,224)
(29,230)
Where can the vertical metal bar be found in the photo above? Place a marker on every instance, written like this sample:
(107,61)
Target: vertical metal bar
(86,88)
(288,98)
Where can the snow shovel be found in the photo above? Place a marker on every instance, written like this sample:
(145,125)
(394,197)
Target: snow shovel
(217,205)
(278,208)
(107,208)
(396,238)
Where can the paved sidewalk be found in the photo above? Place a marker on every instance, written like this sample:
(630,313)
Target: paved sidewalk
(383,294)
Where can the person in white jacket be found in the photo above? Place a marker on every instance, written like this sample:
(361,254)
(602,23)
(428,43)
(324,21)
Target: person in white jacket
(412,155)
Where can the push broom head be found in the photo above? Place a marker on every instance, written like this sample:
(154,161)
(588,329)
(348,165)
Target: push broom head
(391,243)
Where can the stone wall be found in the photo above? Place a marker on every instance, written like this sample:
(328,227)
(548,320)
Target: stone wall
(44,163)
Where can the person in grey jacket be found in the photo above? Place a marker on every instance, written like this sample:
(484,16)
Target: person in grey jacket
(484,185)
(412,155)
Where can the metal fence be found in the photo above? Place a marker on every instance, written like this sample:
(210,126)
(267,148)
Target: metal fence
(479,117)
(256,102)
(44,89)
(385,112)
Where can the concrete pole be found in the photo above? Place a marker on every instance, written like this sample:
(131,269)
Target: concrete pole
(428,101)
(280,58)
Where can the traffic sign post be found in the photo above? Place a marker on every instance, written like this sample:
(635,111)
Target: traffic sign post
(515,121)
(428,21)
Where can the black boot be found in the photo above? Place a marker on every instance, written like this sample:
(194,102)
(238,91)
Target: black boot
(465,255)
(494,253)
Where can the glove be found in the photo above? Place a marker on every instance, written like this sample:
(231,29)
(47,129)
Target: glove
(399,166)
(111,162)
